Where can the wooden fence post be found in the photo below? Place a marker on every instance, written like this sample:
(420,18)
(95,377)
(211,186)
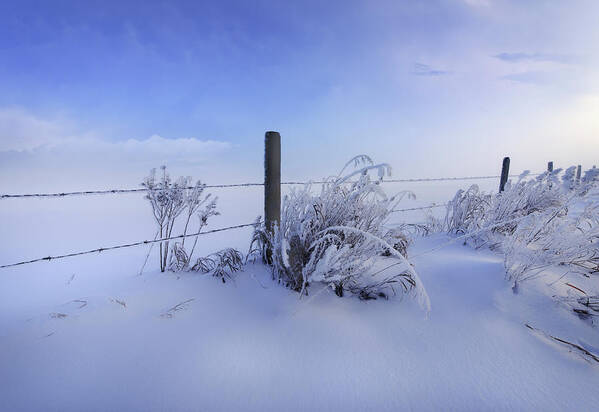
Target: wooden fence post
(578,173)
(505,172)
(550,167)
(272,179)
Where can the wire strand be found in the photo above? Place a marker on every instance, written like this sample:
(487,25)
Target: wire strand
(419,208)
(235,185)
(144,242)
(115,191)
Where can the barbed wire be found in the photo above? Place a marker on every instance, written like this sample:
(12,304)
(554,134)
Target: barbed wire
(225,186)
(144,242)
(438,179)
(115,191)
(424,179)
(147,242)
(419,208)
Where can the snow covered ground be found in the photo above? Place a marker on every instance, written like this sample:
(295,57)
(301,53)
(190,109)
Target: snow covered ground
(89,333)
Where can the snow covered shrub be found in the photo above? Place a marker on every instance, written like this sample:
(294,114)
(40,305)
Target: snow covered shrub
(466,212)
(169,200)
(543,227)
(539,224)
(569,178)
(260,243)
(471,211)
(338,237)
(553,234)
(432,224)
(553,239)
(222,264)
(525,198)
(589,181)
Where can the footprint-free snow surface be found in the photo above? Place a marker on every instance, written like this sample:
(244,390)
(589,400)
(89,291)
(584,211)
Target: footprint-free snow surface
(104,338)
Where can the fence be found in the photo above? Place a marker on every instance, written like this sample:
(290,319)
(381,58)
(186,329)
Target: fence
(272,197)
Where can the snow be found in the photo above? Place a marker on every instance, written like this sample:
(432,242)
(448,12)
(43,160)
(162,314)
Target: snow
(251,344)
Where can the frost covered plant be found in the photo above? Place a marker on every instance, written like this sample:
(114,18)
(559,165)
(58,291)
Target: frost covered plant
(540,225)
(552,239)
(525,198)
(169,200)
(589,181)
(203,214)
(471,211)
(222,264)
(260,243)
(432,224)
(338,237)
(569,178)
(466,212)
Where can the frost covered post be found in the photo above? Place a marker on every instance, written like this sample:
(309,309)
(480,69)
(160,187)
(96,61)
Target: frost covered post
(550,167)
(505,172)
(272,180)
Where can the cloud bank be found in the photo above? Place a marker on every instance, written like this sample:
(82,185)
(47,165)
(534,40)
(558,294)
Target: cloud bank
(35,152)
(25,133)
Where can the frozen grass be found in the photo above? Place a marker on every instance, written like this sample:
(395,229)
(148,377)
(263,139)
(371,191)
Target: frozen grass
(336,235)
(546,228)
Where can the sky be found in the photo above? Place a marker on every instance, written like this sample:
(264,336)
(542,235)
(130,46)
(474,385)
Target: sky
(99,91)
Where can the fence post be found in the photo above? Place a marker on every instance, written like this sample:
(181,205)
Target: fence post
(505,172)
(578,173)
(550,167)
(272,180)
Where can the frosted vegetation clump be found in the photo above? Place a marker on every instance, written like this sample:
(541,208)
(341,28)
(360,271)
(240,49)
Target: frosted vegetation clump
(471,211)
(552,239)
(171,200)
(542,226)
(338,236)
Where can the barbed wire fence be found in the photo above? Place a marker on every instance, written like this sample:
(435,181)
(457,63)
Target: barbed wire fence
(236,185)
(126,245)
(272,185)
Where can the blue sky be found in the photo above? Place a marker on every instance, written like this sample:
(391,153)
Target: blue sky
(434,87)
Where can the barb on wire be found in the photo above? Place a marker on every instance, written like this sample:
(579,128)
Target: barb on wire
(224,186)
(144,242)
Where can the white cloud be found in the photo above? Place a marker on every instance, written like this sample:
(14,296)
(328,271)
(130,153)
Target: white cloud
(154,149)
(20,130)
(37,152)
(23,132)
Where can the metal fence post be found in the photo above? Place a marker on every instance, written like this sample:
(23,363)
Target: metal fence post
(272,179)
(550,167)
(578,173)
(505,172)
